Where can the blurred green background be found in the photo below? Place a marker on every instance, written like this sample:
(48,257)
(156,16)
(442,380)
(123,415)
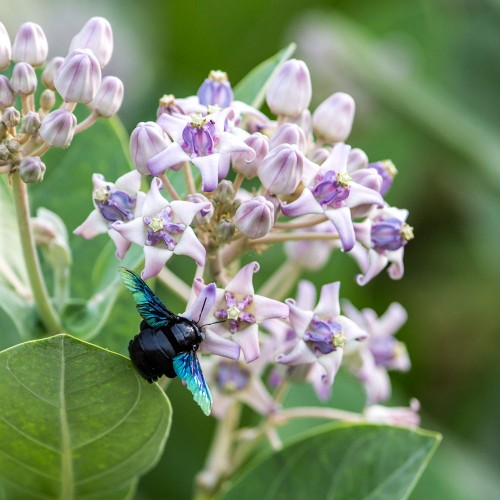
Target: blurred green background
(426,77)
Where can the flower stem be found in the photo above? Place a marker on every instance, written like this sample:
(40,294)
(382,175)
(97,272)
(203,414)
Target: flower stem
(174,283)
(45,310)
(188,176)
(300,223)
(281,281)
(281,417)
(238,181)
(218,459)
(279,237)
(169,187)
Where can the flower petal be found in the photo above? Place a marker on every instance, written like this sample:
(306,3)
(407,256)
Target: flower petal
(93,225)
(242,283)
(186,210)
(129,182)
(361,195)
(299,355)
(173,125)
(229,143)
(328,305)
(306,295)
(351,330)
(168,158)
(203,304)
(257,397)
(341,219)
(190,245)
(121,244)
(375,263)
(215,344)
(134,231)
(154,201)
(338,159)
(248,340)
(156,257)
(393,319)
(209,169)
(306,203)
(268,308)
(299,318)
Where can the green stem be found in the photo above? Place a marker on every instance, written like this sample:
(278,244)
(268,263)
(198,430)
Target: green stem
(281,281)
(43,305)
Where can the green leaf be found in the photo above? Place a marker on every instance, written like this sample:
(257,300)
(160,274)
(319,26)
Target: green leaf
(339,462)
(76,421)
(252,89)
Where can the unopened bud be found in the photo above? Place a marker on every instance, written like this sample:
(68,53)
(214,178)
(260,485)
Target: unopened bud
(5,48)
(4,152)
(30,45)
(3,131)
(255,217)
(332,119)
(58,128)
(356,160)
(7,96)
(224,231)
(11,117)
(79,76)
(290,91)
(146,141)
(289,133)
(47,100)
(12,145)
(23,80)
(50,71)
(260,144)
(97,36)
(32,170)
(109,97)
(204,215)
(282,169)
(216,90)
(30,123)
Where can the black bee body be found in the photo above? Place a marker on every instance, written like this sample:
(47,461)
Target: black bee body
(153,349)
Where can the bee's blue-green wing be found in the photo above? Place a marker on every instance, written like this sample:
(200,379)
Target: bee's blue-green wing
(187,367)
(150,307)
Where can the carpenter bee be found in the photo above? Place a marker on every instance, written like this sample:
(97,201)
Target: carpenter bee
(167,343)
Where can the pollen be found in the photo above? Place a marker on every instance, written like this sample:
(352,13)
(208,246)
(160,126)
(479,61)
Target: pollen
(390,168)
(167,100)
(101,195)
(233,313)
(218,76)
(339,339)
(197,120)
(406,232)
(343,180)
(156,224)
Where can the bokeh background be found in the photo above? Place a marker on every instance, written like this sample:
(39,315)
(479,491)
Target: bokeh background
(425,75)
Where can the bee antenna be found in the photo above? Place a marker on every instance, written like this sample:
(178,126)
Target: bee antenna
(214,323)
(201,312)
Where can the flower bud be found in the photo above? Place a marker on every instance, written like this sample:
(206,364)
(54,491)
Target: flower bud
(224,231)
(30,123)
(260,144)
(109,97)
(5,48)
(216,90)
(79,76)
(50,71)
(30,45)
(47,100)
(3,132)
(332,119)
(387,170)
(255,217)
(224,193)
(23,80)
(281,171)
(203,216)
(97,36)
(290,91)
(356,160)
(11,117)
(32,170)
(4,151)
(146,141)
(12,145)
(7,97)
(289,133)
(58,128)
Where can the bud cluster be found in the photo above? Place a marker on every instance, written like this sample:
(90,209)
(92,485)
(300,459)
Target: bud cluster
(306,188)
(29,128)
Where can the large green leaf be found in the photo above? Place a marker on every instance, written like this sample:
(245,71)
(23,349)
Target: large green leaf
(341,461)
(76,421)
(252,89)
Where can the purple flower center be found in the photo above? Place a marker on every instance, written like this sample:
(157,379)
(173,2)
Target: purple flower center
(216,90)
(384,350)
(387,171)
(231,376)
(161,228)
(324,336)
(237,312)
(331,189)
(199,136)
(114,204)
(390,234)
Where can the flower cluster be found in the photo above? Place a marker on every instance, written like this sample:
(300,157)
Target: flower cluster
(28,132)
(307,188)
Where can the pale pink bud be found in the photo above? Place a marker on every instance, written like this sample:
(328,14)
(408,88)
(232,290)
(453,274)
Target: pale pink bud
(79,76)
(7,97)
(260,144)
(332,119)
(5,48)
(30,45)
(146,141)
(281,171)
(50,71)
(290,91)
(11,117)
(289,133)
(109,97)
(32,170)
(47,100)
(30,123)
(255,217)
(23,80)
(58,128)
(97,36)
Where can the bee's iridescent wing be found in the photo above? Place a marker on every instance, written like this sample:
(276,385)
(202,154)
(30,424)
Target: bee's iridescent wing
(150,307)
(187,367)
